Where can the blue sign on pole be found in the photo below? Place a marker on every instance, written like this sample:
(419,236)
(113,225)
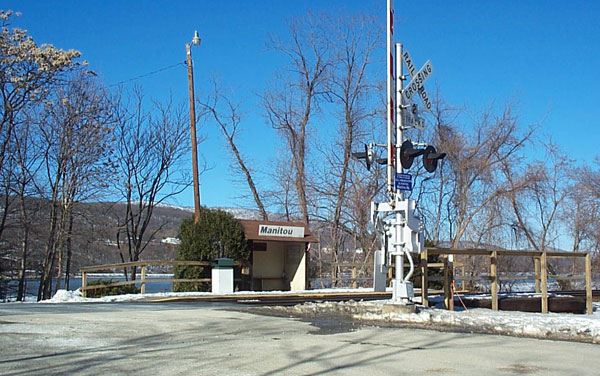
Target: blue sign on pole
(403,182)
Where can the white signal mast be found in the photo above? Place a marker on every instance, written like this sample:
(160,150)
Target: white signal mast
(399,229)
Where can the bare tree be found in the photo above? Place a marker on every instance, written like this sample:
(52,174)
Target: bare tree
(462,197)
(228,118)
(75,133)
(291,105)
(283,196)
(434,191)
(582,213)
(363,188)
(350,89)
(536,195)
(152,146)
(27,73)
(475,163)
(27,159)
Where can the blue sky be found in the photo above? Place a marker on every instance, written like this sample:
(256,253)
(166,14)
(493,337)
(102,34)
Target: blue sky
(542,55)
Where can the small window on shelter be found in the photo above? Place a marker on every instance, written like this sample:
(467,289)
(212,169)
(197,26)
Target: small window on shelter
(259,247)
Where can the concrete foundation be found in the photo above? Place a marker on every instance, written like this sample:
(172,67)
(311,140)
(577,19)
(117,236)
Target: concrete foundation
(399,308)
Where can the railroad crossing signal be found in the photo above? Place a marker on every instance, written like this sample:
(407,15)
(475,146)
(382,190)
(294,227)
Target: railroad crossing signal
(408,153)
(416,84)
(430,156)
(417,81)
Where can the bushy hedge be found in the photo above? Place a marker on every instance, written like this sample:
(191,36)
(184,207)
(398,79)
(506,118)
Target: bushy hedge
(217,234)
(108,291)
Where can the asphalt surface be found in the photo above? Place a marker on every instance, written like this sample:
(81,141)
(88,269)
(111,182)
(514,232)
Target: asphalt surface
(203,338)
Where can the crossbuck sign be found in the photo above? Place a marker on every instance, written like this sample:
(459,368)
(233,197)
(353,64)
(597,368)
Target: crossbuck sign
(417,81)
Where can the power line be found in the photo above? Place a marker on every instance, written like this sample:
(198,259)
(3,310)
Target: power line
(147,74)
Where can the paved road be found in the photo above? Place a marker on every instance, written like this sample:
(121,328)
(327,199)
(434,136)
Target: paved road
(212,339)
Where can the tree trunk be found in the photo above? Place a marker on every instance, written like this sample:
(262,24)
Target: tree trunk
(69,254)
(60,245)
(23,269)
(49,259)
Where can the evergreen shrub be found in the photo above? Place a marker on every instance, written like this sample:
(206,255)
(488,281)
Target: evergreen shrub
(217,234)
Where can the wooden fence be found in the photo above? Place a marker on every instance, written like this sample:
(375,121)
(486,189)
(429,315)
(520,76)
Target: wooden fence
(352,274)
(349,274)
(143,280)
(540,273)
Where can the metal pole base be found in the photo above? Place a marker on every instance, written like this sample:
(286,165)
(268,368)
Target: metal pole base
(402,292)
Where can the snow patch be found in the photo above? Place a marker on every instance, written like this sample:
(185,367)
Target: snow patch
(584,328)
(560,326)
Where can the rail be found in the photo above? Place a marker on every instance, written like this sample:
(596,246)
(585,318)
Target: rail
(540,273)
(143,280)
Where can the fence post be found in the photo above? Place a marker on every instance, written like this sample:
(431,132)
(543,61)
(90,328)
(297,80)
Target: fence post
(143,286)
(588,284)
(536,263)
(84,284)
(448,294)
(354,284)
(424,281)
(494,275)
(544,277)
(451,280)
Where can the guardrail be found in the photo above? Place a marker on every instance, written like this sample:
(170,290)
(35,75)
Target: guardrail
(540,273)
(143,280)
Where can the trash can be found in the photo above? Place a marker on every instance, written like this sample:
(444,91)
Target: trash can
(222,276)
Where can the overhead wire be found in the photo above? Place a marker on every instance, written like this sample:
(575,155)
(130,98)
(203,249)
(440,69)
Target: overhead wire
(147,74)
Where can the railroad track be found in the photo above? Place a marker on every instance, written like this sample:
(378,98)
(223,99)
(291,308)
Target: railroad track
(595,293)
(285,299)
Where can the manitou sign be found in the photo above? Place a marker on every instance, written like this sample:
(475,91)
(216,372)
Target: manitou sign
(399,229)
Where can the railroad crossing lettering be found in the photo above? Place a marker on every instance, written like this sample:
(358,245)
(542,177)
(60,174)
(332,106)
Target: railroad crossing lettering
(425,98)
(411,119)
(413,73)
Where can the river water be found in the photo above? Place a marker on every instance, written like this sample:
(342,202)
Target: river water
(32,285)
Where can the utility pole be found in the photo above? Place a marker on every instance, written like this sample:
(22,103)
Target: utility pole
(188,47)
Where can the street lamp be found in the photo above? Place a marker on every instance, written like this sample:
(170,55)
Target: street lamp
(188,48)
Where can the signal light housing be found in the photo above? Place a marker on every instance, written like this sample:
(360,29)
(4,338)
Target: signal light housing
(367,155)
(408,154)
(431,157)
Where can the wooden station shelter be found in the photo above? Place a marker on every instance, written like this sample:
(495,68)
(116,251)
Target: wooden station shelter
(279,254)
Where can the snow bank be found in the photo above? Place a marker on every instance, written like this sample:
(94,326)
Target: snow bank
(582,328)
(64,296)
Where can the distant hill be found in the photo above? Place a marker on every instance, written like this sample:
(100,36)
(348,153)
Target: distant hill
(94,236)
